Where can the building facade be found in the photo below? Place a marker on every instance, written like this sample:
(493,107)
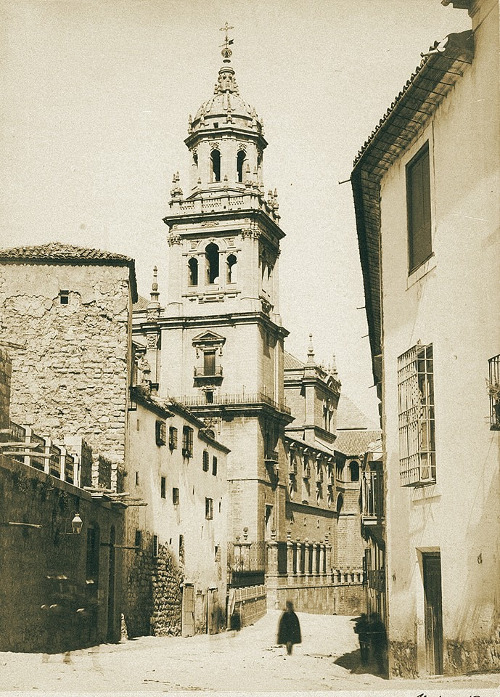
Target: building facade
(426,195)
(177,561)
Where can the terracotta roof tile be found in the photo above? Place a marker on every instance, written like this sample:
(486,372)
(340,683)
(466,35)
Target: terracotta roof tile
(58,251)
(292,363)
(355,442)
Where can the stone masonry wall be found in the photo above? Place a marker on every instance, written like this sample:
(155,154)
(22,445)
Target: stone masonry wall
(153,595)
(71,374)
(33,559)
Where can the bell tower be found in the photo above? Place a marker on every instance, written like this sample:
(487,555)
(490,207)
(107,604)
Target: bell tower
(221,333)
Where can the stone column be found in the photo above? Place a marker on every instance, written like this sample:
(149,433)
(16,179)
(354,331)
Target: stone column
(272,572)
(315,557)
(307,554)
(289,557)
(322,559)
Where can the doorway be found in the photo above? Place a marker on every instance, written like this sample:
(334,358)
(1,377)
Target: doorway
(433,613)
(188,610)
(111,586)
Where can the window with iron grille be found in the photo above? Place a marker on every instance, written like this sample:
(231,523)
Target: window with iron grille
(209,509)
(494,392)
(175,496)
(163,487)
(161,433)
(187,441)
(155,545)
(206,461)
(214,466)
(417,456)
(172,438)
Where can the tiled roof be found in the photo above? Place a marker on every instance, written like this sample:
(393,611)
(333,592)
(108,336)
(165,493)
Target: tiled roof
(56,252)
(355,442)
(141,304)
(349,416)
(399,128)
(292,363)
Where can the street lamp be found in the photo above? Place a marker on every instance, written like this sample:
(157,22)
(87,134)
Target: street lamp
(76,525)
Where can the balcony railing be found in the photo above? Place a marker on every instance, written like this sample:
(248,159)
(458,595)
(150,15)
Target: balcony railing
(202,372)
(372,496)
(236,399)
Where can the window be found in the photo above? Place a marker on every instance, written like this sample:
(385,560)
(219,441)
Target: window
(161,433)
(240,161)
(354,470)
(209,362)
(209,509)
(193,272)
(205,461)
(155,545)
(215,165)
(138,538)
(494,392)
(214,466)
(292,486)
(64,297)
(163,488)
(418,201)
(209,396)
(212,263)
(187,441)
(137,478)
(232,265)
(172,438)
(175,496)
(417,457)
(319,492)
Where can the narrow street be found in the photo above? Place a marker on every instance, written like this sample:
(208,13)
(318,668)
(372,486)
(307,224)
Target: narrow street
(248,661)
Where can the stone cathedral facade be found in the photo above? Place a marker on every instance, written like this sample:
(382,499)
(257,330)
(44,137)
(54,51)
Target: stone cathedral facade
(216,346)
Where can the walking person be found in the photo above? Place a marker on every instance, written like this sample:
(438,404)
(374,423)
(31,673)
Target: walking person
(362,629)
(378,641)
(289,628)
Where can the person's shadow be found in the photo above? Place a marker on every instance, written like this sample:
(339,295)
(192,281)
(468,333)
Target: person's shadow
(352,662)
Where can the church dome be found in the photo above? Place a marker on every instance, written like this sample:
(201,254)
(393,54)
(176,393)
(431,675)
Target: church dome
(226,107)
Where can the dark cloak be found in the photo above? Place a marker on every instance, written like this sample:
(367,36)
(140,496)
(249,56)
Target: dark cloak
(289,629)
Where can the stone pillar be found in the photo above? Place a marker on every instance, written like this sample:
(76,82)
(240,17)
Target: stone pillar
(289,557)
(328,552)
(307,554)
(322,559)
(315,558)
(272,572)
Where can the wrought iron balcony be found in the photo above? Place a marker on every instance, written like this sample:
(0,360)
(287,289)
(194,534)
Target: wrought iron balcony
(202,372)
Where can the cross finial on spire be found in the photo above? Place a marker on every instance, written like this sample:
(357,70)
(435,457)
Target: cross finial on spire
(226,51)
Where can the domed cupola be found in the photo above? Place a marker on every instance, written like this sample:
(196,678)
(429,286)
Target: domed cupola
(226,136)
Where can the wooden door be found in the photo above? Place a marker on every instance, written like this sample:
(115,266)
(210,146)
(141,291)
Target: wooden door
(188,610)
(433,613)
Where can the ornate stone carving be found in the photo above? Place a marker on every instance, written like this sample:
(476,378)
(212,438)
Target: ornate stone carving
(152,341)
(173,239)
(210,223)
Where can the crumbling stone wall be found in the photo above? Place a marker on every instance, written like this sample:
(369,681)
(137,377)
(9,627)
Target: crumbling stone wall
(70,373)
(480,655)
(403,659)
(154,596)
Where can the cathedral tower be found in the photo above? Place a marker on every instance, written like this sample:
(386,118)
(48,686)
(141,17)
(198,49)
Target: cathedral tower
(220,331)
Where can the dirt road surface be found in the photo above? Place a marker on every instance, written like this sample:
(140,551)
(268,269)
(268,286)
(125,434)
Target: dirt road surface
(243,662)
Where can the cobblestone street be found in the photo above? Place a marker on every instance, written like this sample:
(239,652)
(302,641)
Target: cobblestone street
(249,661)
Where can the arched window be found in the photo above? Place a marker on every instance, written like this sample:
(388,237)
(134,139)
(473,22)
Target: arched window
(232,262)
(212,258)
(215,160)
(240,161)
(193,271)
(340,503)
(354,469)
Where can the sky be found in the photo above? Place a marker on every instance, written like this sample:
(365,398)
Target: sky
(96,96)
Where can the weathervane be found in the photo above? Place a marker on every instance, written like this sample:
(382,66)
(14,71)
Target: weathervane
(226,51)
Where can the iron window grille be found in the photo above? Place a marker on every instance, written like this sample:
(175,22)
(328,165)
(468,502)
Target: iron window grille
(161,433)
(494,392)
(172,438)
(417,452)
(175,496)
(187,441)
(206,461)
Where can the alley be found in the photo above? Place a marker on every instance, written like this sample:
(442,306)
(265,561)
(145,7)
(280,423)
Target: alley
(248,661)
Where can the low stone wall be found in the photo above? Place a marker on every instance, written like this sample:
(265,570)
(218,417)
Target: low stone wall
(323,600)
(250,603)
(480,656)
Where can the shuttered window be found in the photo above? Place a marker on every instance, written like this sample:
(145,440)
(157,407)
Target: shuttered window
(418,192)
